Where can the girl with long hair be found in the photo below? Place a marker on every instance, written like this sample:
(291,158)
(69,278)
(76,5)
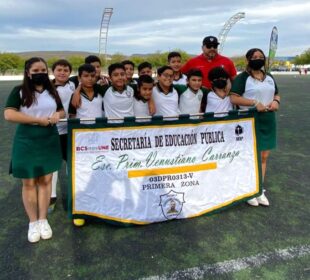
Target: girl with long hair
(36,153)
(256,88)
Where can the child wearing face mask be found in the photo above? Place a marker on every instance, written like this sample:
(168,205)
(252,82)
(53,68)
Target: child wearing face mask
(217,100)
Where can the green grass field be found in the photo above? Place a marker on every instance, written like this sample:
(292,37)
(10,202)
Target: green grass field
(241,242)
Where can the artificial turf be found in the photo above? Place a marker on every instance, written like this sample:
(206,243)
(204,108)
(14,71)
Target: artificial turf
(104,251)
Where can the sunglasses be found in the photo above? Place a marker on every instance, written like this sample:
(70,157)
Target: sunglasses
(209,46)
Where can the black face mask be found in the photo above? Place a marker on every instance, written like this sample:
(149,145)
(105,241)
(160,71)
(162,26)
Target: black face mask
(256,64)
(40,79)
(219,83)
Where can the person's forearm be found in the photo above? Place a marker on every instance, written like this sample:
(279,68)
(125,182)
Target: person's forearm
(241,101)
(19,117)
(61,113)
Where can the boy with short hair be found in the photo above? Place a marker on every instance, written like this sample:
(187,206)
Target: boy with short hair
(175,62)
(190,96)
(96,62)
(142,96)
(145,68)
(65,88)
(90,94)
(129,69)
(164,95)
(118,98)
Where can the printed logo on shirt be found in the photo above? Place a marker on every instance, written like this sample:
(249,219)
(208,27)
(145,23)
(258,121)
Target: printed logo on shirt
(270,82)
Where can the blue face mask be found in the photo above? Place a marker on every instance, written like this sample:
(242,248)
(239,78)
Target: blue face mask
(40,79)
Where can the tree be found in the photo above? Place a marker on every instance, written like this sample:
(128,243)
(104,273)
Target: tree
(157,59)
(185,56)
(137,60)
(117,58)
(51,61)
(302,59)
(9,61)
(240,62)
(76,61)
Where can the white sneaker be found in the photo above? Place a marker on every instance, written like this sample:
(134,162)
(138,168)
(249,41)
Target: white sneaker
(45,229)
(34,232)
(253,202)
(263,200)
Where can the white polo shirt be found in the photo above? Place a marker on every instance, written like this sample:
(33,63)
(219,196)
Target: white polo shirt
(190,102)
(90,108)
(263,91)
(165,104)
(217,104)
(141,108)
(181,81)
(44,106)
(65,92)
(119,104)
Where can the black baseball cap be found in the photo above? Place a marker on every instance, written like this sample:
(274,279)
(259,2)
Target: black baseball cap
(210,40)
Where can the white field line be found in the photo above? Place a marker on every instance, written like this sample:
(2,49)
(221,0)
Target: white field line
(203,271)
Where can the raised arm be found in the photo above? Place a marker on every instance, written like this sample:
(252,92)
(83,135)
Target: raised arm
(76,97)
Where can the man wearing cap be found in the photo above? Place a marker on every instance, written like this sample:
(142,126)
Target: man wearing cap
(209,59)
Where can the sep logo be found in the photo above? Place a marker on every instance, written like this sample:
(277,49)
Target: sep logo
(239,132)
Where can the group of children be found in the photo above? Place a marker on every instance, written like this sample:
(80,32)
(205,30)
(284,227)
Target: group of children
(121,95)
(93,95)
(38,104)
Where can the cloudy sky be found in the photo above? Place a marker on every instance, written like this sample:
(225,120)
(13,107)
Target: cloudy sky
(144,26)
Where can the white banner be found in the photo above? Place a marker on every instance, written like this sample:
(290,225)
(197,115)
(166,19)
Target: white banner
(155,173)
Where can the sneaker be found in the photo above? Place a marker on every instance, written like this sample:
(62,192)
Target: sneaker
(45,229)
(253,202)
(34,232)
(79,222)
(263,200)
(52,205)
